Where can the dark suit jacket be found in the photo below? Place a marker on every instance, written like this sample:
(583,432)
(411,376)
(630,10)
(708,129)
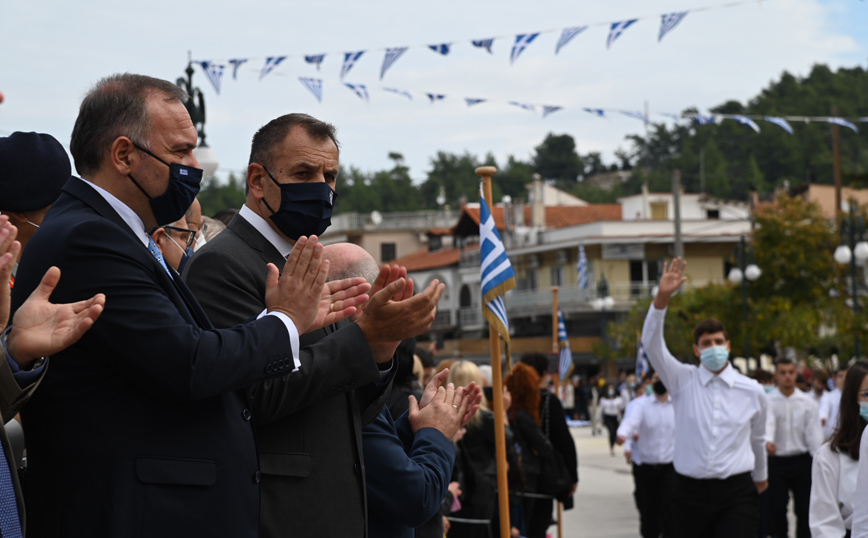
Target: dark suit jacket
(141,428)
(408,475)
(310,448)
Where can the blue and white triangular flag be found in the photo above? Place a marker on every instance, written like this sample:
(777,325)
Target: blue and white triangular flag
(236,63)
(582,268)
(214,73)
(704,120)
(391,57)
(843,123)
(567,35)
(676,117)
(642,366)
(350,59)
(550,109)
(435,96)
(780,122)
(596,111)
(521,43)
(744,120)
(270,63)
(472,101)
(315,59)
(618,29)
(527,106)
(633,114)
(359,90)
(442,48)
(405,93)
(496,274)
(483,44)
(670,21)
(565,358)
(314,85)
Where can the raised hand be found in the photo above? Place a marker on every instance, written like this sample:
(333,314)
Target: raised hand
(340,300)
(445,412)
(41,328)
(471,391)
(9,249)
(385,319)
(673,277)
(298,291)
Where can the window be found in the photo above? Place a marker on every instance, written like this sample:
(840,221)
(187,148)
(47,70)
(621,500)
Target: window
(659,211)
(558,275)
(464,299)
(531,279)
(387,252)
(712,214)
(643,276)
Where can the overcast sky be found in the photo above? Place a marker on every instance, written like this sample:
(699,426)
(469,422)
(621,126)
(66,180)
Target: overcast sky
(54,51)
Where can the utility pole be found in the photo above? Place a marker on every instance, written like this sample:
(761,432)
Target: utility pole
(837,164)
(676,202)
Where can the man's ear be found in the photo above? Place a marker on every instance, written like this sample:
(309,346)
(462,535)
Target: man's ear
(728,346)
(256,176)
(158,235)
(696,350)
(123,155)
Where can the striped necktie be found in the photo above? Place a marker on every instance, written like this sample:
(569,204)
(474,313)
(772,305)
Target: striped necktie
(10,525)
(152,247)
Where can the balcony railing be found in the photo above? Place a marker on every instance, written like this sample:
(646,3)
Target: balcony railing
(443,320)
(470,258)
(470,317)
(399,220)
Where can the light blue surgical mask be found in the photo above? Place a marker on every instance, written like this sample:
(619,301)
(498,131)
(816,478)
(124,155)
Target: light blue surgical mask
(863,410)
(769,388)
(714,357)
(649,390)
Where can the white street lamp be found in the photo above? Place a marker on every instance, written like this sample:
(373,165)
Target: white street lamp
(207,160)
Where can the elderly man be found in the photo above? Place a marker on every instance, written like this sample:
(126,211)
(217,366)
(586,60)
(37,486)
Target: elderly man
(310,449)
(141,427)
(175,243)
(196,222)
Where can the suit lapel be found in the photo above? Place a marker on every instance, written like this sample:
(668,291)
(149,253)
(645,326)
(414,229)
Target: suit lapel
(256,241)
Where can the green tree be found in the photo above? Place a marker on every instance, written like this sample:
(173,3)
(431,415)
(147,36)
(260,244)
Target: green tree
(215,195)
(556,159)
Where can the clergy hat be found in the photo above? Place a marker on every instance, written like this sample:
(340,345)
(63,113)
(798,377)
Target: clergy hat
(33,169)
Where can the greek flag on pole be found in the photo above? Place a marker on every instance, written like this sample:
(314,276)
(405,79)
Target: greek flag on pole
(359,90)
(550,109)
(618,29)
(471,101)
(633,114)
(350,59)
(496,272)
(314,85)
(435,96)
(391,57)
(405,93)
(442,48)
(642,367)
(315,59)
(236,63)
(744,120)
(527,106)
(670,21)
(567,35)
(483,44)
(214,73)
(843,123)
(270,63)
(565,359)
(780,122)
(596,111)
(582,268)
(521,43)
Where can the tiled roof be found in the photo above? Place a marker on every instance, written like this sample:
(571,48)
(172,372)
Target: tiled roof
(422,259)
(558,216)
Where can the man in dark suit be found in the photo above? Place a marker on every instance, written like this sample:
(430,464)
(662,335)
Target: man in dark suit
(310,449)
(140,428)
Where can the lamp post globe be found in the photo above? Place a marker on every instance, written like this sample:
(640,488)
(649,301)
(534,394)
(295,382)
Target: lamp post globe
(752,272)
(207,160)
(735,275)
(861,251)
(843,254)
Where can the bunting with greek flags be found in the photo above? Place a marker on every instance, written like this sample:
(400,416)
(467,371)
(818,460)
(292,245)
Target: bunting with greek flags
(236,63)
(780,122)
(442,48)
(391,57)
(483,44)
(582,268)
(676,117)
(550,109)
(496,272)
(350,59)
(744,120)
(567,35)
(359,89)
(704,120)
(315,59)
(642,366)
(473,101)
(314,85)
(637,115)
(214,73)
(521,43)
(596,112)
(270,63)
(565,357)
(843,123)
(669,21)
(618,29)
(527,106)
(404,93)
(435,96)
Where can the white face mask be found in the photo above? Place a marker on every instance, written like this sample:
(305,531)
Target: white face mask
(200,241)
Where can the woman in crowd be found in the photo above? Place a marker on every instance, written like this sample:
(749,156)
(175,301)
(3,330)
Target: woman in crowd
(834,471)
(609,410)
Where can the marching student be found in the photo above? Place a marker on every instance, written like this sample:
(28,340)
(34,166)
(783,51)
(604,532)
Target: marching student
(830,402)
(720,416)
(609,412)
(793,436)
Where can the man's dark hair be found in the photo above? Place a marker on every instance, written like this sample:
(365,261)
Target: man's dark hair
(762,376)
(708,326)
(116,106)
(426,357)
(537,360)
(274,132)
(783,360)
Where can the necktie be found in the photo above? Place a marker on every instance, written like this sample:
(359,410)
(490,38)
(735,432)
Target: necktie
(10,526)
(152,247)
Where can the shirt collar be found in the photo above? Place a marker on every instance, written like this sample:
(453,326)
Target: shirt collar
(277,241)
(123,210)
(728,375)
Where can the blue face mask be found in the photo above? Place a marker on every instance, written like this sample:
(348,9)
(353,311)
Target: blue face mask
(714,357)
(863,410)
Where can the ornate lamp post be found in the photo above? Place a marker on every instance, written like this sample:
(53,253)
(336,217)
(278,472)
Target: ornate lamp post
(196,108)
(744,270)
(853,249)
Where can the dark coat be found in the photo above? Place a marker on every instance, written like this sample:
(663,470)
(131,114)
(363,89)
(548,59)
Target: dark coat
(559,432)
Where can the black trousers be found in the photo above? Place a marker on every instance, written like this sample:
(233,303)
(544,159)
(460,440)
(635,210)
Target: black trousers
(611,422)
(714,508)
(789,473)
(654,485)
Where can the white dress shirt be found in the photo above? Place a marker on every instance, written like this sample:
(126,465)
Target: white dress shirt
(720,418)
(833,492)
(611,406)
(627,429)
(277,241)
(655,422)
(792,424)
(829,404)
(860,509)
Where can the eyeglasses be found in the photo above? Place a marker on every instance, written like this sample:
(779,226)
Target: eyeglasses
(191,234)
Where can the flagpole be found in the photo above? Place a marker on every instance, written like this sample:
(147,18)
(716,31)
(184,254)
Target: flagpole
(555,290)
(485,172)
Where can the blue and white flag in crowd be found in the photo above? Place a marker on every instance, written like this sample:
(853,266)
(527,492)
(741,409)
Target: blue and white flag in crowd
(391,57)
(472,101)
(214,72)
(314,85)
(670,21)
(527,106)
(315,59)
(270,63)
(405,93)
(435,96)
(350,59)
(550,109)
(642,366)
(521,43)
(596,111)
(360,89)
(582,268)
(704,120)
(843,123)
(442,48)
(496,272)
(565,358)
(484,44)
(618,29)
(634,114)
(567,35)
(236,63)
(780,122)
(744,120)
